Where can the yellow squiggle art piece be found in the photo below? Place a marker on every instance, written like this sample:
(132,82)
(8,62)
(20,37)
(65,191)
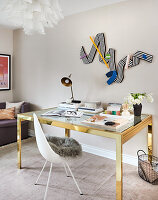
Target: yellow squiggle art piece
(99,52)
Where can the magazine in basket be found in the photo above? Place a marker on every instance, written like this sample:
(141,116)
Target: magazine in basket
(110,122)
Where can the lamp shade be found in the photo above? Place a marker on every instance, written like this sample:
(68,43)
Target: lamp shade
(66,81)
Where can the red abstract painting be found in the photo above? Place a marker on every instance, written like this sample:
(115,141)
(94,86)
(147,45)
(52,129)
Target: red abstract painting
(4,72)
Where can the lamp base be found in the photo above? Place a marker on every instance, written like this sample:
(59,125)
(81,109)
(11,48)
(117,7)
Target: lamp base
(76,101)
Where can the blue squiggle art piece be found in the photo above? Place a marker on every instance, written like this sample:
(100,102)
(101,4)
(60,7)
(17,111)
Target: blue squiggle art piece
(119,74)
(112,75)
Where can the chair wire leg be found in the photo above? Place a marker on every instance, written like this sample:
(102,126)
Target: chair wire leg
(45,195)
(66,170)
(74,180)
(41,172)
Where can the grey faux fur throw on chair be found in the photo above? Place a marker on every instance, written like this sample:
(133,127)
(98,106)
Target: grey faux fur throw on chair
(65,147)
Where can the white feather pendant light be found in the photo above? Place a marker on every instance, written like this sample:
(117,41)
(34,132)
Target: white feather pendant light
(34,15)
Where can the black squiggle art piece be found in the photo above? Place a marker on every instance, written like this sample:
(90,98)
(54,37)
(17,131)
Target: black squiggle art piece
(100,40)
(139,55)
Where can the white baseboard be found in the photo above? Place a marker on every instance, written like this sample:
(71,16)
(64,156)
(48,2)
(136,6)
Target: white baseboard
(132,160)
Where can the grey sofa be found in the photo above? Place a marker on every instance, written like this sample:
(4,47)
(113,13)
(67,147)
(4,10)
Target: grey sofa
(8,128)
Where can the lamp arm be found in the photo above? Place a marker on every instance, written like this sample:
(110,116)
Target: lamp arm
(72,93)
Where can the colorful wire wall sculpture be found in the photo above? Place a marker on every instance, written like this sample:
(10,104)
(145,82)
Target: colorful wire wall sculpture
(116,74)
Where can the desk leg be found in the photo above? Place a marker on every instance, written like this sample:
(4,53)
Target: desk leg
(67,132)
(150,142)
(19,142)
(119,179)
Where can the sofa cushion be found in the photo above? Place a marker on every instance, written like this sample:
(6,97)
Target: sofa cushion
(16,105)
(2,105)
(7,113)
(8,122)
(25,107)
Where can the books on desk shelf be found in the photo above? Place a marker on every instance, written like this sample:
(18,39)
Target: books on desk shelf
(64,105)
(93,104)
(106,122)
(114,107)
(63,113)
(90,110)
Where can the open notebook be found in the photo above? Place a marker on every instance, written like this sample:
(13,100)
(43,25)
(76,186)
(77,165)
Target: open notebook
(63,113)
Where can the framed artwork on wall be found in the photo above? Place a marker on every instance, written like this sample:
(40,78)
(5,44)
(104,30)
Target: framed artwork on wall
(5,72)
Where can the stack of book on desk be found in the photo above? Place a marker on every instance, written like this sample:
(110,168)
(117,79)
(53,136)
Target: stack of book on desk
(113,109)
(91,107)
(66,106)
(87,107)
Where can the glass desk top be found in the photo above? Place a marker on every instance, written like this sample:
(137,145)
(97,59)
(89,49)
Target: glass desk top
(79,121)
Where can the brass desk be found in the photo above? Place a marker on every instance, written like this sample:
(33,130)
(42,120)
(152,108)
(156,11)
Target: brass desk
(121,136)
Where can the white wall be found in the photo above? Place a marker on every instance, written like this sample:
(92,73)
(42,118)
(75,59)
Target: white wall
(6,47)
(41,61)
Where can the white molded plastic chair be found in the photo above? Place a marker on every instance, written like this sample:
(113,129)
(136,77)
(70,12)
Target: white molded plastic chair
(50,156)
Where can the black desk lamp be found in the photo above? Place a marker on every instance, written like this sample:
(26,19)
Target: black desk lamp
(66,81)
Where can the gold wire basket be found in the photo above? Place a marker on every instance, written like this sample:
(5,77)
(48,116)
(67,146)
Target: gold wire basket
(148,167)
